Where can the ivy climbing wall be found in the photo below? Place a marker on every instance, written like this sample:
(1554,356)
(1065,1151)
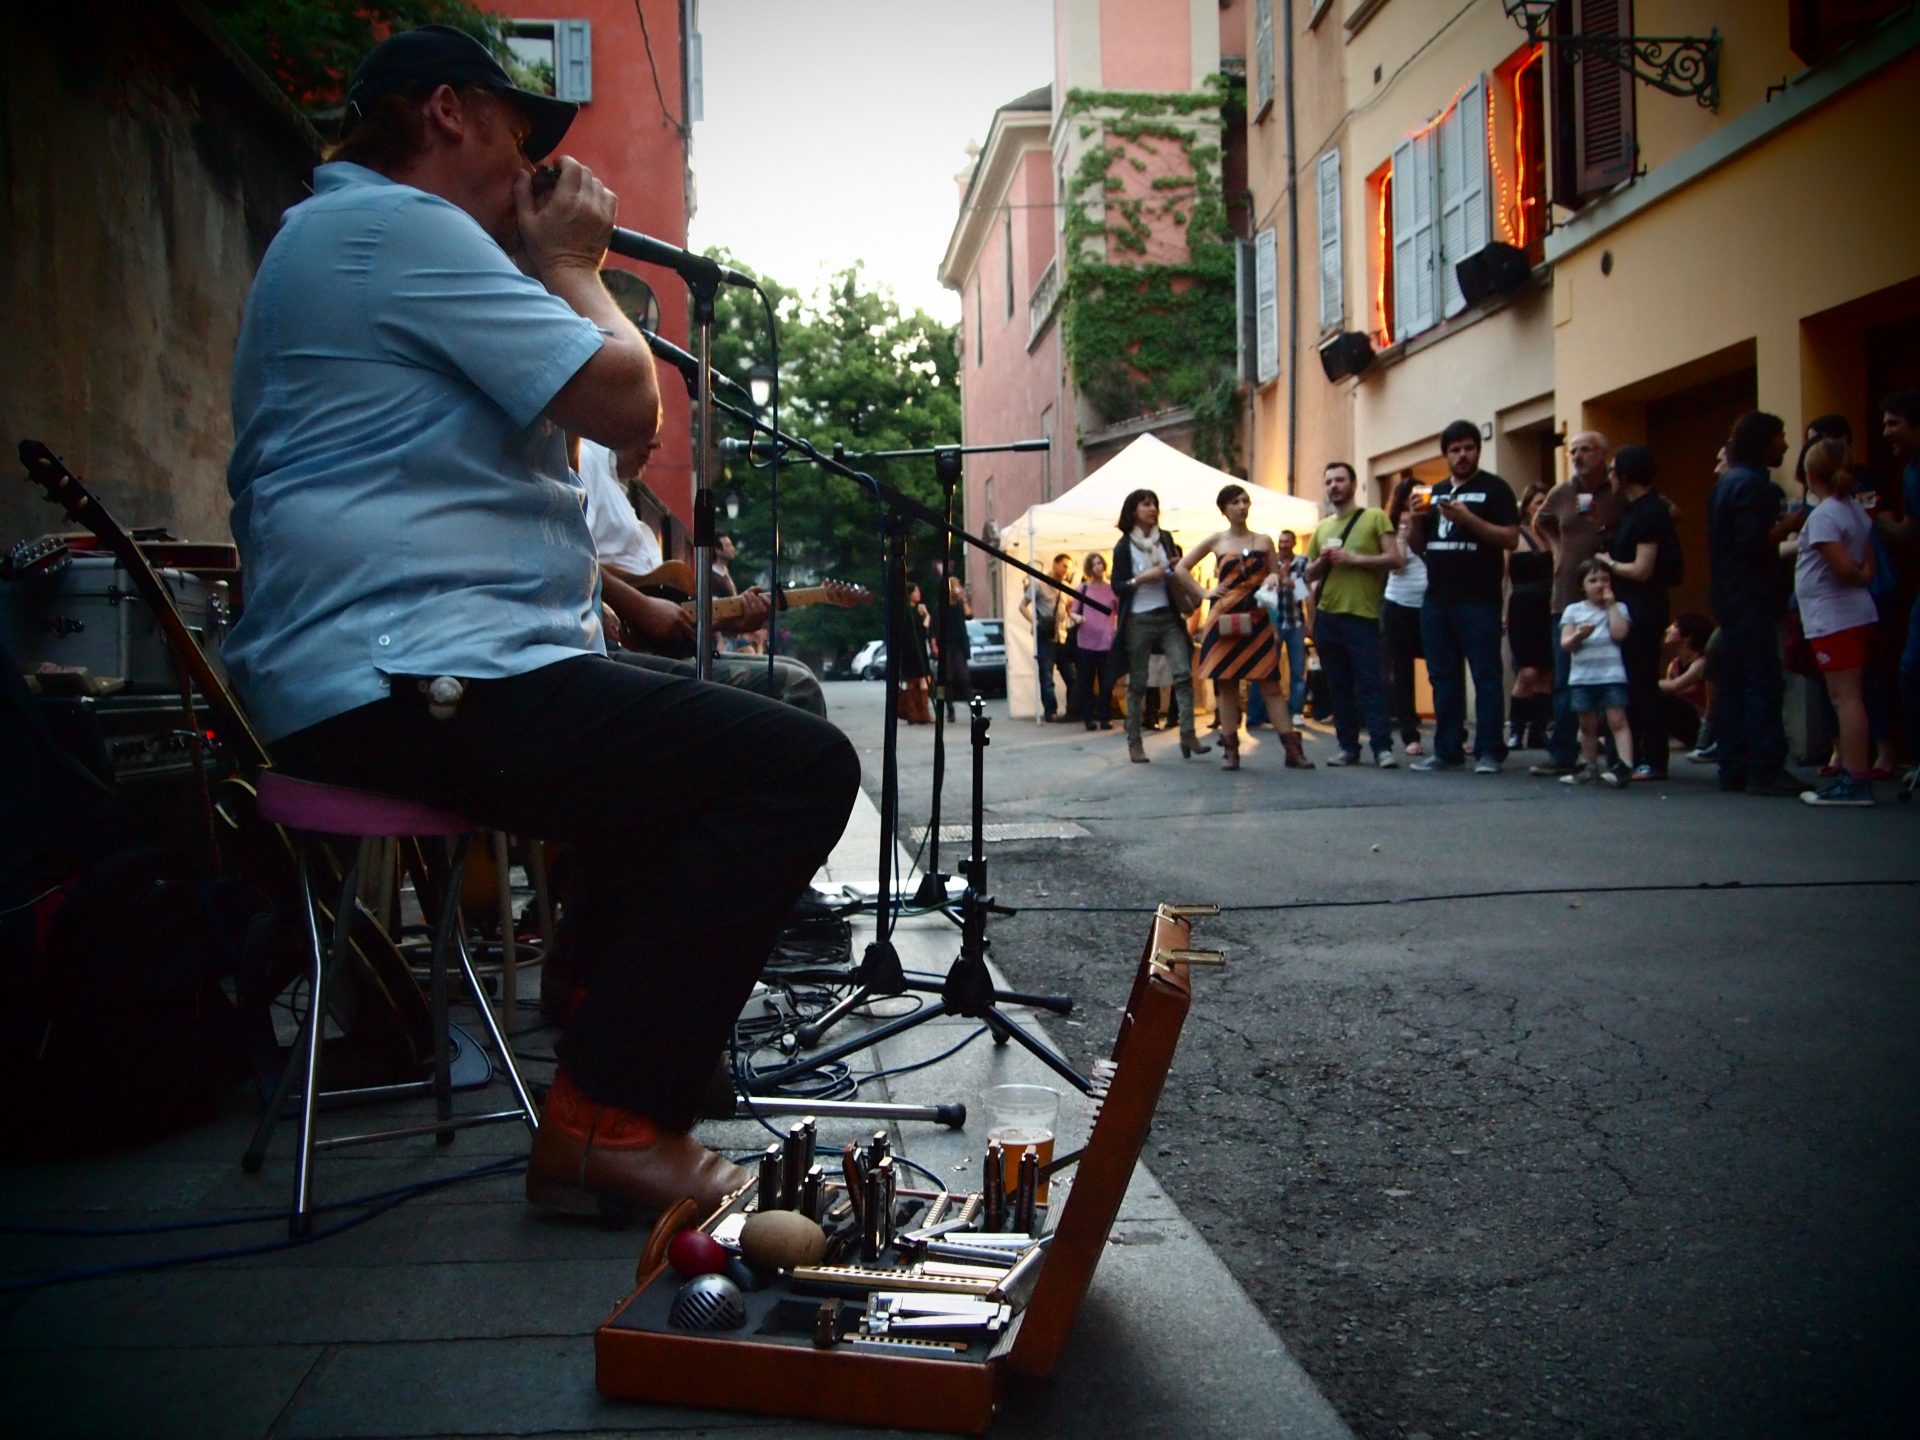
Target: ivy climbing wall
(1149,312)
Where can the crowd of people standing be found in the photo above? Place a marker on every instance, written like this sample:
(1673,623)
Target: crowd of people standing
(1557,604)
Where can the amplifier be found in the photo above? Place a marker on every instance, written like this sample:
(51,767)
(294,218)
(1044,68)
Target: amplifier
(138,745)
(122,735)
(88,615)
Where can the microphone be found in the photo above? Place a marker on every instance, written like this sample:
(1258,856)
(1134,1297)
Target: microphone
(689,368)
(757,449)
(649,251)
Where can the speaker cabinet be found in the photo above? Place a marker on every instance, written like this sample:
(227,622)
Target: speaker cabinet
(1346,354)
(1497,270)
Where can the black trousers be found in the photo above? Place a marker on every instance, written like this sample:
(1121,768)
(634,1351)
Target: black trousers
(1646,707)
(1400,630)
(699,814)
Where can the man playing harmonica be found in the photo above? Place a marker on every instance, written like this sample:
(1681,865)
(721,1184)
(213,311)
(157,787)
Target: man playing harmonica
(420,334)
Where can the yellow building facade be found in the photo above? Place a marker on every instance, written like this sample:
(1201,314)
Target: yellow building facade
(1667,265)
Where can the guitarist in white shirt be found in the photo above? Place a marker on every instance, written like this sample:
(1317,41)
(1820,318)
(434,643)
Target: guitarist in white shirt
(658,634)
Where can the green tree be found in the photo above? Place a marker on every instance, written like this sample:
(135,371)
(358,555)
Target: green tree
(856,371)
(311,46)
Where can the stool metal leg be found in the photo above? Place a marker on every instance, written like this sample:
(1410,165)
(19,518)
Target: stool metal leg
(270,1117)
(509,941)
(526,1106)
(448,924)
(301,1224)
(542,900)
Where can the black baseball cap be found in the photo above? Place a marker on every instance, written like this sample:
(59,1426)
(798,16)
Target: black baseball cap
(441,55)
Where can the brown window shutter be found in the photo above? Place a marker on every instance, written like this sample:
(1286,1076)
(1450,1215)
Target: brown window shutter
(1604,150)
(1561,73)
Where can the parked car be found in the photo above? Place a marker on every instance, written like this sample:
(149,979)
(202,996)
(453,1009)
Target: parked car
(988,662)
(869,662)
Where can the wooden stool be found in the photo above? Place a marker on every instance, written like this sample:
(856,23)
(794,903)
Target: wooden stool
(311,812)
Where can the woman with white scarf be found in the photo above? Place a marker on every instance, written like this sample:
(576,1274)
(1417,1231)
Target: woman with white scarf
(1150,620)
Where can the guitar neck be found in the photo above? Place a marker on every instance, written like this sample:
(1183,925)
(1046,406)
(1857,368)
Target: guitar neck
(731,607)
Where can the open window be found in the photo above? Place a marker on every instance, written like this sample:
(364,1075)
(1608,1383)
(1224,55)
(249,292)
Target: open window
(1517,151)
(553,56)
(1380,278)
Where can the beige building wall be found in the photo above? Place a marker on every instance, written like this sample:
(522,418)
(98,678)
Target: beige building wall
(1490,364)
(1759,263)
(1281,456)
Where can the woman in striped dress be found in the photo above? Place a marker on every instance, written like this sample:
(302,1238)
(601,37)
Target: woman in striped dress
(1238,643)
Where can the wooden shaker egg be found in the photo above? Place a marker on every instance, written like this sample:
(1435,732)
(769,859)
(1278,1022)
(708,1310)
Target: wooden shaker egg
(781,1239)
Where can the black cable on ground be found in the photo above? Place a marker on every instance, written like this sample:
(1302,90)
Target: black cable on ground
(394,1199)
(1693,888)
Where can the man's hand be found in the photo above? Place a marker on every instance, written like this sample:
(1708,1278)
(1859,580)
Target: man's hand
(658,626)
(566,226)
(755,607)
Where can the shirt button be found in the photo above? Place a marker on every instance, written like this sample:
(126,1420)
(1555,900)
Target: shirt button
(386,639)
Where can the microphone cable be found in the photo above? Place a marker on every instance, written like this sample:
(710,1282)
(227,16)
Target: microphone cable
(370,1207)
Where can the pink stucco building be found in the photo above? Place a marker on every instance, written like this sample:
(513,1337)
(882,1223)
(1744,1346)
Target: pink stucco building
(1005,253)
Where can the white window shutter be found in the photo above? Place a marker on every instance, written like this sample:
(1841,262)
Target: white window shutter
(1405,291)
(1263,57)
(1463,188)
(1414,247)
(1332,279)
(1248,307)
(696,79)
(1426,236)
(1476,199)
(573,60)
(1266,285)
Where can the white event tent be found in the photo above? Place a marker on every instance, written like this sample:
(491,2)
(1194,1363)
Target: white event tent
(1082,520)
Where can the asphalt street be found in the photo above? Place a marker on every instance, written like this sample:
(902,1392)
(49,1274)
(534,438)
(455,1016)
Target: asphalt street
(1520,1110)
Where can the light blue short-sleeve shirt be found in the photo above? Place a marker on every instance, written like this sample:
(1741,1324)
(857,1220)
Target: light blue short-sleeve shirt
(401,503)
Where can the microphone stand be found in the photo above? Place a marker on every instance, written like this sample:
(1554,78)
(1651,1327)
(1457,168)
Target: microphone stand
(703,285)
(967,989)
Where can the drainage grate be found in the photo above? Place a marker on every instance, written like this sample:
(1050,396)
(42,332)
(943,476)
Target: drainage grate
(1010,830)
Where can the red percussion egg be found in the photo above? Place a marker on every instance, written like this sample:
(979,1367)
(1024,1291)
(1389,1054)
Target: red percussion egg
(694,1252)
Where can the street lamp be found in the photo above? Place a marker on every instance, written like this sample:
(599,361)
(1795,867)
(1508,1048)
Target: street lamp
(1683,65)
(732,504)
(760,381)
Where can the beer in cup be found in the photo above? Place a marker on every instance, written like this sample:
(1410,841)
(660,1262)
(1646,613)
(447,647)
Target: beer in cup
(1022,1118)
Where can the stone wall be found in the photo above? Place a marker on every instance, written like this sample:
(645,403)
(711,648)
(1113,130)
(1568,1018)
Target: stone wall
(144,166)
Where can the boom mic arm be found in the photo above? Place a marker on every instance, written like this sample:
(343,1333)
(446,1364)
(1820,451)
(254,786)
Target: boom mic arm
(689,368)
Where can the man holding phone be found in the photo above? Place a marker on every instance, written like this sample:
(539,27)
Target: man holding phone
(1464,534)
(1576,520)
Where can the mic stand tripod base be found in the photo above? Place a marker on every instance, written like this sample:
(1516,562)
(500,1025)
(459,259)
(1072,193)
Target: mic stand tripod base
(932,894)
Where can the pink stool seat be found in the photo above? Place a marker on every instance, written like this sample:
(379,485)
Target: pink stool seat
(336,810)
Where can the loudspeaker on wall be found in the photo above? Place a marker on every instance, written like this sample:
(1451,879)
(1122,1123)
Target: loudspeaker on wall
(1496,270)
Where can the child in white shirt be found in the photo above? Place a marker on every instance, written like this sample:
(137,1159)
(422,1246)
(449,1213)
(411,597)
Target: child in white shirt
(1591,630)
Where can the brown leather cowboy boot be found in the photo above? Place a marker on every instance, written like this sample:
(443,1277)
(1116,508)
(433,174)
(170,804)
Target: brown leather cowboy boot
(593,1159)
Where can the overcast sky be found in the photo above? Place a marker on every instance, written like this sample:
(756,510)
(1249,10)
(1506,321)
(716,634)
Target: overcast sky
(834,129)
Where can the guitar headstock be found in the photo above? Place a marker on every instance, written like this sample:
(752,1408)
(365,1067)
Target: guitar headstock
(839,592)
(47,556)
(50,473)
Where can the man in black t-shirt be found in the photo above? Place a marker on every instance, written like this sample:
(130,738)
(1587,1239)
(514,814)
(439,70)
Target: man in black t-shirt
(1464,534)
(1644,561)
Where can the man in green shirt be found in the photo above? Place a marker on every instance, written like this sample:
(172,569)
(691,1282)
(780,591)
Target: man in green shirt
(1348,559)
